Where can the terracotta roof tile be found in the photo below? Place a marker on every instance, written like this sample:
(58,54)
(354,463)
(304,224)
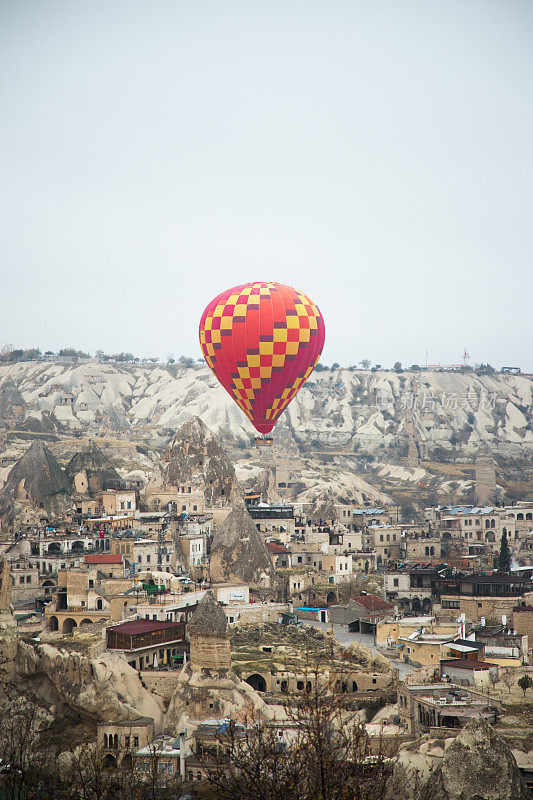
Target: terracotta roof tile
(104,558)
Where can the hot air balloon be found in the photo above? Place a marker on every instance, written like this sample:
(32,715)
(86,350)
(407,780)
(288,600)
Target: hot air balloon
(262,341)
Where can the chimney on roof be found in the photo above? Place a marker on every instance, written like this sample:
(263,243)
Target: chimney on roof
(482,622)
(504,619)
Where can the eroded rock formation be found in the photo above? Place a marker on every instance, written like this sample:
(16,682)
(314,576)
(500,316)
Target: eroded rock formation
(97,470)
(196,455)
(36,487)
(239,554)
(478,765)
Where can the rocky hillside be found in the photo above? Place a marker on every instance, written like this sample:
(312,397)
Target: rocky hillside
(337,409)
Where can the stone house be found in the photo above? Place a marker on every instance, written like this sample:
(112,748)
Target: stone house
(25,582)
(281,556)
(434,707)
(118,740)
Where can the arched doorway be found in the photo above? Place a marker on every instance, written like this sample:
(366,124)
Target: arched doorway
(77,547)
(53,624)
(86,622)
(331,598)
(127,762)
(110,762)
(54,549)
(99,604)
(69,624)
(257,682)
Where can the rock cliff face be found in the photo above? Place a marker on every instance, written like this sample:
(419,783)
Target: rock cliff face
(36,483)
(99,471)
(238,553)
(8,645)
(336,408)
(478,765)
(12,405)
(196,455)
(103,688)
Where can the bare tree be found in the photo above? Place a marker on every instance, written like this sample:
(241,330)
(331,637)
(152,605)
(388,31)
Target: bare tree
(25,755)
(321,753)
(508,678)
(89,778)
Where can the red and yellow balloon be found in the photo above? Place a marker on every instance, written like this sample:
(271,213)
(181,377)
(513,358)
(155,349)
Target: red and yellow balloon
(262,341)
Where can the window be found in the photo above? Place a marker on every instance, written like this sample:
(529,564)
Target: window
(127,740)
(147,559)
(129,503)
(21,579)
(396,582)
(136,741)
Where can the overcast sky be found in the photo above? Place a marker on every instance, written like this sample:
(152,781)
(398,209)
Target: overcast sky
(376,155)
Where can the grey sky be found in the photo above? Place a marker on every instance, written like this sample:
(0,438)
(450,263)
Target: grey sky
(376,155)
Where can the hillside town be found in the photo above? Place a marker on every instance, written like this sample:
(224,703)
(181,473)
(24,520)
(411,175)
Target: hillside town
(266,400)
(162,611)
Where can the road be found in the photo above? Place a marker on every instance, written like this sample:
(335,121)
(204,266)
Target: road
(344,635)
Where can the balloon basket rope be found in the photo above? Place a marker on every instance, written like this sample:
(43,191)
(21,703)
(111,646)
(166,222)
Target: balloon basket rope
(263,441)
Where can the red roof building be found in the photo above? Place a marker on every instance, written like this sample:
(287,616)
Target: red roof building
(144,634)
(373,603)
(104,558)
(276,549)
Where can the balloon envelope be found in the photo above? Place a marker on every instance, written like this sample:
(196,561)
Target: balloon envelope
(262,341)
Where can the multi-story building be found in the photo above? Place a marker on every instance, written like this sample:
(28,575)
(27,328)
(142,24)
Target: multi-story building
(483,596)
(147,643)
(183,499)
(25,580)
(275,520)
(119,740)
(439,706)
(420,547)
(145,555)
(193,548)
(337,568)
(384,540)
(118,501)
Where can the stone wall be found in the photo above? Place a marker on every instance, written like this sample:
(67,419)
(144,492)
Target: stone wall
(210,652)
(255,613)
